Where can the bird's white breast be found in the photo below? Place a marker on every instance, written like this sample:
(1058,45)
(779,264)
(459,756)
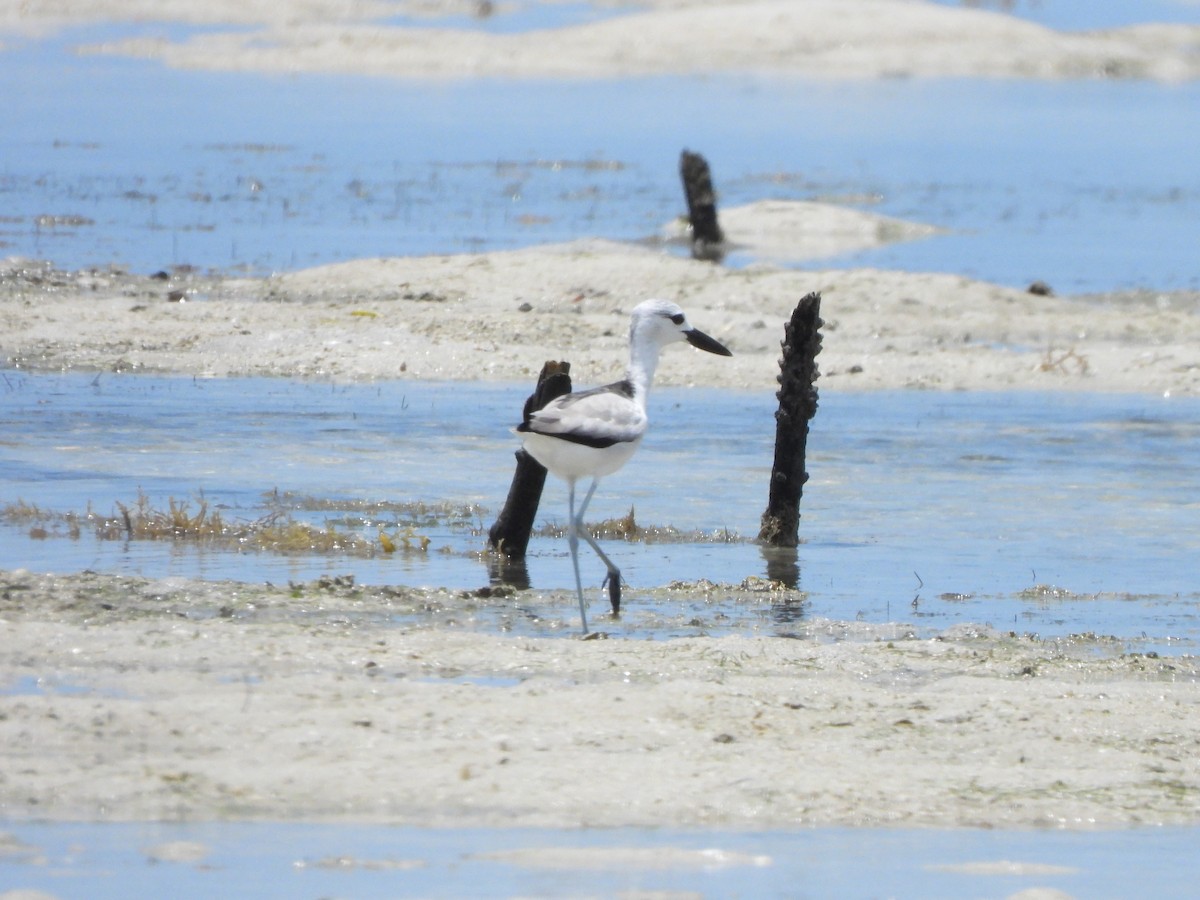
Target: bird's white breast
(574,461)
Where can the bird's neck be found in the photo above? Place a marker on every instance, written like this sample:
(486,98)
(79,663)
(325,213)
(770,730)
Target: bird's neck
(642,363)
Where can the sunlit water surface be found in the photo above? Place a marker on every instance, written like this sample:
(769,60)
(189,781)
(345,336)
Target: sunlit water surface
(1047,513)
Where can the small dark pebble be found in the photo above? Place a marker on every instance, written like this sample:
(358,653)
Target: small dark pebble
(1041,289)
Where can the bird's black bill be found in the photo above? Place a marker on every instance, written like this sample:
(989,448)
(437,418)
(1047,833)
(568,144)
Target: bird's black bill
(702,341)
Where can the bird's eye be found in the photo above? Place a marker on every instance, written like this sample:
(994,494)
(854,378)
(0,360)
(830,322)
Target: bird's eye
(677,318)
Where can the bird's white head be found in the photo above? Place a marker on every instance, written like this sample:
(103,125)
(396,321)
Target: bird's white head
(654,325)
(657,323)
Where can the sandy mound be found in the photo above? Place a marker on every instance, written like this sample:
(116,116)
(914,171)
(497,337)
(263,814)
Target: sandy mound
(499,316)
(823,38)
(793,230)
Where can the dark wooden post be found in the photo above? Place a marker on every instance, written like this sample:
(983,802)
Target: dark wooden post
(708,243)
(797,404)
(510,533)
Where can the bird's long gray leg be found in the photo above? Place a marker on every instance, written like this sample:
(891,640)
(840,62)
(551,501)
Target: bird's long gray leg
(573,543)
(614,574)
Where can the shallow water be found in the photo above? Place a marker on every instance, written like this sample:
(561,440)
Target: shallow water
(288,860)
(1049,513)
(1088,186)
(1084,15)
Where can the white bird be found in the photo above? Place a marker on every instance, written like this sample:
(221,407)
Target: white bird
(594,433)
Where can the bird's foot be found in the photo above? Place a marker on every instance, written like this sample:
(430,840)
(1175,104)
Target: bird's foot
(594,636)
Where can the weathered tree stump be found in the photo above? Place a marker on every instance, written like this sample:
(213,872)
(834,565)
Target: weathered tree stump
(509,535)
(708,243)
(797,405)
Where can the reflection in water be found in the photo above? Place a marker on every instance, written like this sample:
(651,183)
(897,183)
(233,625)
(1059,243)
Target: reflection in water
(788,611)
(504,569)
(783,565)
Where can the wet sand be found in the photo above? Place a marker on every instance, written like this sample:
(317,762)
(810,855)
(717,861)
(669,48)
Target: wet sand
(183,701)
(134,700)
